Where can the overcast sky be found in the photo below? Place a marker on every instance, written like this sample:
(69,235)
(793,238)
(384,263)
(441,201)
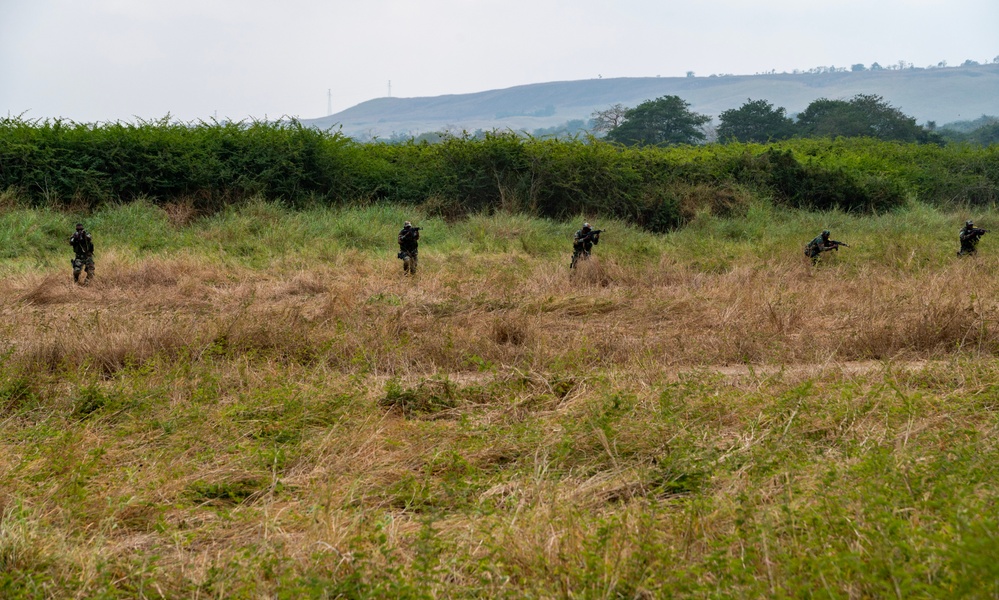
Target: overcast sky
(106,60)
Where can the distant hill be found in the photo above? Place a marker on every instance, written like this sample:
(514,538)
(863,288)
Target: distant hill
(942,95)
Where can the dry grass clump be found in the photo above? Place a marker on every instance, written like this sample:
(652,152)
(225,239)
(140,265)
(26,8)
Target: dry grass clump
(51,290)
(591,271)
(515,331)
(181,212)
(309,283)
(724,201)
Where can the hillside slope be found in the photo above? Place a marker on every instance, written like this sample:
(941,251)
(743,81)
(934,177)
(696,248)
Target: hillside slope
(940,95)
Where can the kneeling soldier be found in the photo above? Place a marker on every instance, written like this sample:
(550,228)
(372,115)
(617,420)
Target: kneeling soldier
(821,244)
(969,236)
(582,242)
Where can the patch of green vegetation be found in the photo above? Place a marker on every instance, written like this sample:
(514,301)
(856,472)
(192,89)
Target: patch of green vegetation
(226,492)
(428,397)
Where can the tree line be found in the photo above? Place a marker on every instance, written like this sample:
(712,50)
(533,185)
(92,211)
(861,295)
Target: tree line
(668,121)
(213,165)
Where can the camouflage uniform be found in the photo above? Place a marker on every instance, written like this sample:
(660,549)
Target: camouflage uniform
(821,244)
(969,236)
(582,242)
(409,243)
(83,247)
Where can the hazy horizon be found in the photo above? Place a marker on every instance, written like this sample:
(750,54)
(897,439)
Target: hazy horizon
(107,60)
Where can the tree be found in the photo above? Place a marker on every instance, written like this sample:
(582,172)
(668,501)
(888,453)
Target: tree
(665,121)
(826,118)
(987,135)
(865,115)
(755,121)
(858,67)
(607,119)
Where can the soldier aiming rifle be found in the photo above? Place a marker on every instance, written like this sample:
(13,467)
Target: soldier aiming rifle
(409,245)
(83,248)
(583,242)
(969,236)
(821,244)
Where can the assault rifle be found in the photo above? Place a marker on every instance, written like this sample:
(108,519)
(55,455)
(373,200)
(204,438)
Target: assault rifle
(835,245)
(409,233)
(591,234)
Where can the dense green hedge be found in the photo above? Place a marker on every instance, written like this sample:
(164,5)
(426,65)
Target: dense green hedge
(213,164)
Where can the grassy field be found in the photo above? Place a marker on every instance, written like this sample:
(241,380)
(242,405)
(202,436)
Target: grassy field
(258,404)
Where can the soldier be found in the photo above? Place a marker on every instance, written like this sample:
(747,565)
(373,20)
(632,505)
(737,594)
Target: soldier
(409,243)
(582,242)
(969,236)
(821,244)
(83,247)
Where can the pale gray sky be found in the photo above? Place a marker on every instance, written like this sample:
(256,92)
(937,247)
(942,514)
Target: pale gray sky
(105,60)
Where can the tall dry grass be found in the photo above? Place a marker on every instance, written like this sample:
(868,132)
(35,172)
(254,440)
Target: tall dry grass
(496,426)
(362,317)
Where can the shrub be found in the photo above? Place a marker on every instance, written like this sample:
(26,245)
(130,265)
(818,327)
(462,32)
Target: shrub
(197,168)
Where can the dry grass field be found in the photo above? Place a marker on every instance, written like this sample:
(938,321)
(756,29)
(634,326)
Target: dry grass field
(261,405)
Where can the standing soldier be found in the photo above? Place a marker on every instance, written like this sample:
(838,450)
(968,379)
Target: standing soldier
(83,247)
(821,244)
(582,242)
(409,244)
(969,236)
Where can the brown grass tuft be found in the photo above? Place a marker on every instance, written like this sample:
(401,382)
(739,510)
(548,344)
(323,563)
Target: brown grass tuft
(53,289)
(181,212)
(724,201)
(591,272)
(149,273)
(308,283)
(510,330)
